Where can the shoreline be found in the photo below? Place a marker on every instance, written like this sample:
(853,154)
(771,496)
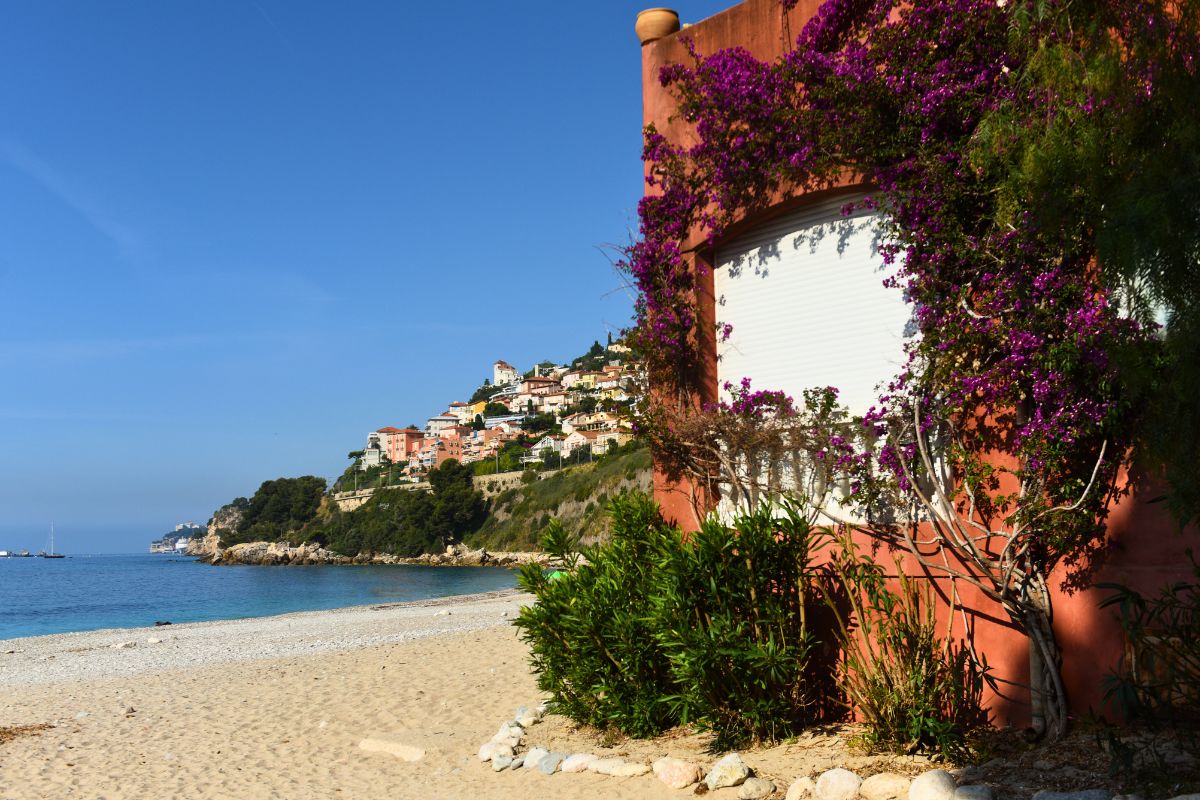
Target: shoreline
(128,652)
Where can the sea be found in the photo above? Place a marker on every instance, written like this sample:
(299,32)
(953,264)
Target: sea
(84,593)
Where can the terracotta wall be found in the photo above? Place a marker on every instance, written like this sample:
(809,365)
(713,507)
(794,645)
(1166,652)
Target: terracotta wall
(1145,550)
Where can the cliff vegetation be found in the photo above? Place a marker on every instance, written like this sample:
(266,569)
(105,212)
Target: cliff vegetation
(576,496)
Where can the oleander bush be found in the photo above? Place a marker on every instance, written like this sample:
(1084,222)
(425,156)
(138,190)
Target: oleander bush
(752,630)
(653,631)
(592,630)
(913,689)
(733,611)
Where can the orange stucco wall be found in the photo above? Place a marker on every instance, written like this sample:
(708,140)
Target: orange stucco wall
(1144,548)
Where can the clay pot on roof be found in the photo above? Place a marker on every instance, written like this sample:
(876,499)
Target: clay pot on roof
(655,23)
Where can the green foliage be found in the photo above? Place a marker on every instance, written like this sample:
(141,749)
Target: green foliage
(485,391)
(408,522)
(539,423)
(516,513)
(732,608)
(596,357)
(913,689)
(496,410)
(654,631)
(591,634)
(279,508)
(585,405)
(369,478)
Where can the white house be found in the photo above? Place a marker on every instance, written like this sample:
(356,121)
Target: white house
(504,373)
(435,425)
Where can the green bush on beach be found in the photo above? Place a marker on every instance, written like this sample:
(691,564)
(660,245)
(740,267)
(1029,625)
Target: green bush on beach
(733,630)
(654,631)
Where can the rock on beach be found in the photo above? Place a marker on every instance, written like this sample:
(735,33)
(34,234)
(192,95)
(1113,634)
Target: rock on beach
(580,762)
(837,784)
(729,771)
(934,785)
(755,789)
(884,786)
(676,773)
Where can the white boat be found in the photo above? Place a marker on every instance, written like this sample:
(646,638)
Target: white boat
(51,554)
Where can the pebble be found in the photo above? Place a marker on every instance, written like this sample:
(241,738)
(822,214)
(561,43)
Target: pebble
(885,786)
(580,762)
(838,784)
(755,789)
(676,773)
(729,771)
(501,763)
(550,761)
(518,762)
(81,715)
(528,718)
(122,645)
(492,749)
(629,769)
(130,710)
(534,757)
(153,640)
(802,789)
(934,785)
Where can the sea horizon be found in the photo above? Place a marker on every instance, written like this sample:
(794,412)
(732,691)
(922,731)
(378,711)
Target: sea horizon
(87,592)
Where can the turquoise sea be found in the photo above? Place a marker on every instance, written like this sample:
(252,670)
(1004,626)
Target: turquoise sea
(83,593)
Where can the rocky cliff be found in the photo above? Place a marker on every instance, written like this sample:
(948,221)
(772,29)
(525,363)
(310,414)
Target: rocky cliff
(225,518)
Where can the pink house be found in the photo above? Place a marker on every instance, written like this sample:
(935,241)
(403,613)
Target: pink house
(399,443)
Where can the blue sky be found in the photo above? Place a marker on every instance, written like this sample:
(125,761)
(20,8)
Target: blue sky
(237,236)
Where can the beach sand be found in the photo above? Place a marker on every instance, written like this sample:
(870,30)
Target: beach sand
(278,707)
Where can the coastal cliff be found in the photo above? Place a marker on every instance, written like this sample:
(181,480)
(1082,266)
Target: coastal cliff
(292,522)
(224,520)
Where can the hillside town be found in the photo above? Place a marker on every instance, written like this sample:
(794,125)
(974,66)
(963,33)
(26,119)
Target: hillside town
(549,414)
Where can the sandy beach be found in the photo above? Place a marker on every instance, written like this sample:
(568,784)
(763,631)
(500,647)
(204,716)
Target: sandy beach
(278,707)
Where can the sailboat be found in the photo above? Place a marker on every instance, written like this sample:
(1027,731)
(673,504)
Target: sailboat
(51,554)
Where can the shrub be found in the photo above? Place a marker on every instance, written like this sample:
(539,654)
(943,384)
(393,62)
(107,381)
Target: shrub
(654,631)
(913,689)
(732,611)
(591,637)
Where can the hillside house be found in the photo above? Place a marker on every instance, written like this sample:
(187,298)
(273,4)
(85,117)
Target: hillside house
(435,425)
(398,443)
(504,373)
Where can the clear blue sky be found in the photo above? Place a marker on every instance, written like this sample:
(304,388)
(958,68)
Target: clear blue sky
(238,235)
